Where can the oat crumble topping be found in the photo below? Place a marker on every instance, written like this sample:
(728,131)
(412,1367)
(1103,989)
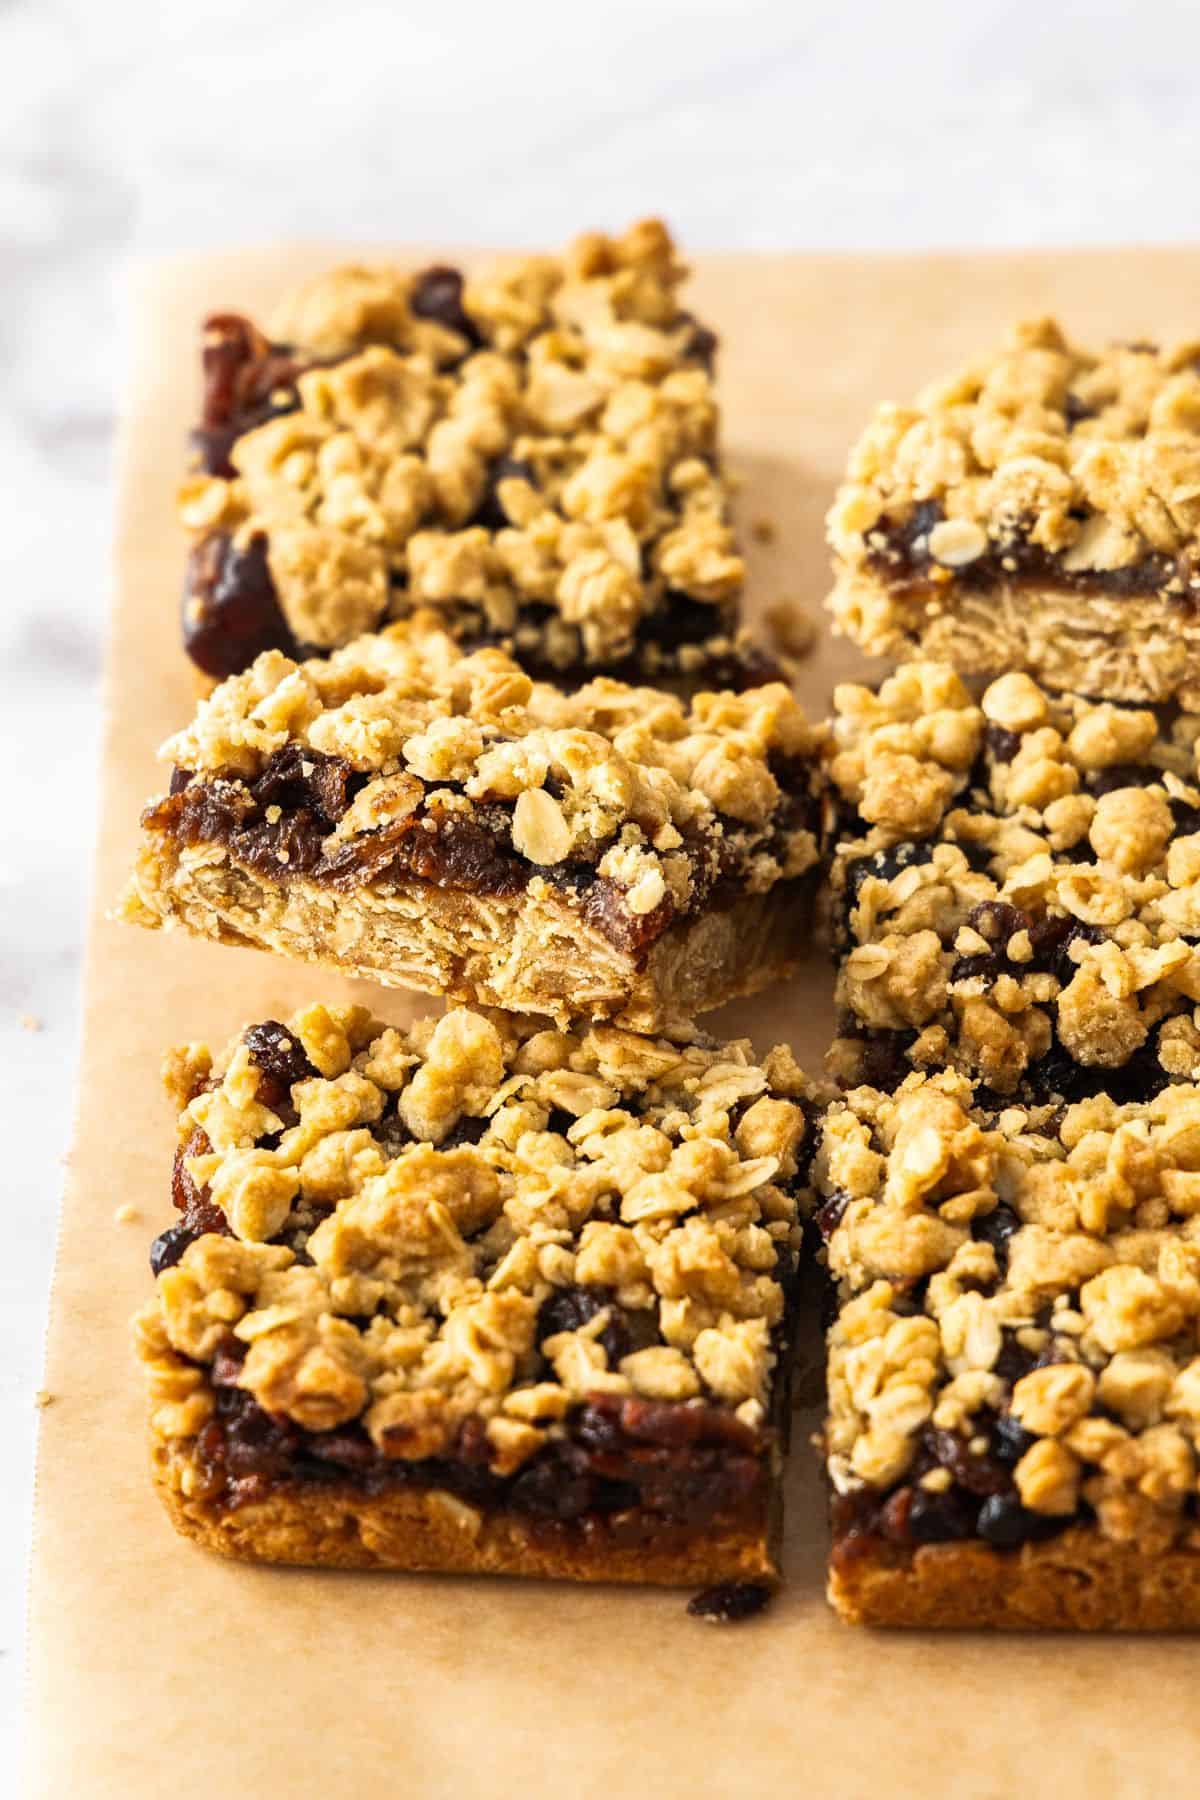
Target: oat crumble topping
(1093,458)
(1028,1278)
(1018,880)
(394,1220)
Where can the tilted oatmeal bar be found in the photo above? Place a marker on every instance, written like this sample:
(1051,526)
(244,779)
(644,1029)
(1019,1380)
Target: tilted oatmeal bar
(479,1295)
(1014,1369)
(532,450)
(1041,511)
(434,820)
(1017,886)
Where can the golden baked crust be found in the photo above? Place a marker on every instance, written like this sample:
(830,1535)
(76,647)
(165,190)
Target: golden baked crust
(528,953)
(1080,1581)
(1018,886)
(484,1256)
(1018,1340)
(533,452)
(1143,648)
(438,820)
(1037,510)
(428,1531)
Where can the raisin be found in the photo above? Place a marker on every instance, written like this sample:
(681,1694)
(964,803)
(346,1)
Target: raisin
(200,1215)
(605,909)
(701,344)
(939,1518)
(1004,1522)
(169,1246)
(729,1603)
(297,778)
(247,381)
(231,612)
(1075,410)
(569,1308)
(1002,744)
(997,1229)
(461,854)
(279,1057)
(437,294)
(1010,1441)
(547,1490)
(829,1216)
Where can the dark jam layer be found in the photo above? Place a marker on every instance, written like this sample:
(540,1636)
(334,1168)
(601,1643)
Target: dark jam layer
(230,609)
(280,823)
(231,613)
(247,381)
(902,559)
(982,1500)
(630,1467)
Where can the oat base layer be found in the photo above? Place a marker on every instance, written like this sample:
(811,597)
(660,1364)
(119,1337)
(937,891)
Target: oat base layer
(432,1532)
(1142,648)
(525,953)
(1080,1581)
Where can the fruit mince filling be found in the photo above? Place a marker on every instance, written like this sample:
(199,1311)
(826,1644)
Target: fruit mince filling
(630,1468)
(280,825)
(900,556)
(248,380)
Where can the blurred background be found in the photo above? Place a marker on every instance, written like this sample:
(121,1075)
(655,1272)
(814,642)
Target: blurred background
(132,129)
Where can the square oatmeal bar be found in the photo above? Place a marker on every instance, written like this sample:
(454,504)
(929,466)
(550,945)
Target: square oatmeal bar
(1016,888)
(479,1295)
(1039,510)
(436,820)
(1014,1366)
(532,449)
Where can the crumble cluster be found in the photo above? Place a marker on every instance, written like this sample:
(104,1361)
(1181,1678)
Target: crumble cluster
(608,774)
(1095,1278)
(548,441)
(1095,459)
(1016,876)
(396,1227)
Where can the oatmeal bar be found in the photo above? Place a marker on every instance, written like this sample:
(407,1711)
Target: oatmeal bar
(1014,1368)
(1017,888)
(479,1295)
(532,450)
(1039,511)
(436,820)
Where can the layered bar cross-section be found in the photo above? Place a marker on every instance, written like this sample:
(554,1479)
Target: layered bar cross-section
(1039,510)
(479,1295)
(435,820)
(531,449)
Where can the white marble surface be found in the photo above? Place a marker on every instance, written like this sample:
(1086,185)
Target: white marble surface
(131,128)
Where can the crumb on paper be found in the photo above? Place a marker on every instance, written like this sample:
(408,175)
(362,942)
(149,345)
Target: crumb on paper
(792,626)
(44,1398)
(762,529)
(126,1214)
(30,1022)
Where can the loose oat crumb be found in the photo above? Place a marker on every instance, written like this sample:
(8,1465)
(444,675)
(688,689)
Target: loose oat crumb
(763,529)
(30,1022)
(792,626)
(126,1214)
(44,1398)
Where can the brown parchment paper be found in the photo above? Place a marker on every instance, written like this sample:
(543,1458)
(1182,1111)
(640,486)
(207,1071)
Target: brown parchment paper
(158,1670)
